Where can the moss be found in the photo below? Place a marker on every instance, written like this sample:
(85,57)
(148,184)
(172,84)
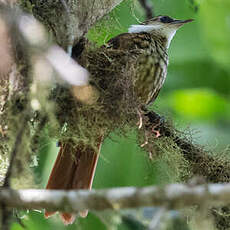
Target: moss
(164,151)
(25,5)
(222,217)
(116,109)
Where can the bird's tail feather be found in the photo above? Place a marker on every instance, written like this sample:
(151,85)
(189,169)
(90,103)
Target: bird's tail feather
(74,168)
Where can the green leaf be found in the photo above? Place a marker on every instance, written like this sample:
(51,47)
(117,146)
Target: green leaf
(215,25)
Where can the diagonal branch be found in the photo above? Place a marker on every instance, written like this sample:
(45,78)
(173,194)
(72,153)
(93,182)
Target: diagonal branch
(213,168)
(148,8)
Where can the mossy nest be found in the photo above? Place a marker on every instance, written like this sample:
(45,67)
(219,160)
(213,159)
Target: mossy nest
(111,74)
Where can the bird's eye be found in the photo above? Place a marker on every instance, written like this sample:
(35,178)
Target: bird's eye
(166,19)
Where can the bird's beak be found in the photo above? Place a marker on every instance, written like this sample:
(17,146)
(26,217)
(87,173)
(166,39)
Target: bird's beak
(181,22)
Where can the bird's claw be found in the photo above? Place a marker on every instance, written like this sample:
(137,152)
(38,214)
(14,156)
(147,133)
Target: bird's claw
(157,132)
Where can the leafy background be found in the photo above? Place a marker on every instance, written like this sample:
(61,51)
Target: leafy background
(195,96)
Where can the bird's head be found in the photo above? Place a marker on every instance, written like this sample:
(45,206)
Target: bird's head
(162,26)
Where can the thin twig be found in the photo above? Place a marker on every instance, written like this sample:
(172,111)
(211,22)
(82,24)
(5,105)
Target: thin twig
(148,8)
(14,152)
(65,6)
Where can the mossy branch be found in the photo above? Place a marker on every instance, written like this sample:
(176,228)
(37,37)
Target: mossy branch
(214,168)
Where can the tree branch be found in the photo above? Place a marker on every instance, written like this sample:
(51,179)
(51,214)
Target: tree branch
(212,167)
(15,150)
(80,15)
(173,196)
(148,8)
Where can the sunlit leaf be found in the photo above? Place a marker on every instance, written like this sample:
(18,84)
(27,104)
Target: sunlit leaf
(201,104)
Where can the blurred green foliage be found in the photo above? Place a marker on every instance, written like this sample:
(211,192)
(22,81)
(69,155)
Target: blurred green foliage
(202,104)
(196,94)
(215,24)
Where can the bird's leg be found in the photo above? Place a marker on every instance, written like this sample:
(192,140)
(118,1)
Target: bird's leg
(140,122)
(156,123)
(155,130)
(157,127)
(154,127)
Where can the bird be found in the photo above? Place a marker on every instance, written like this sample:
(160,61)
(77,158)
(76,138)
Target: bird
(147,45)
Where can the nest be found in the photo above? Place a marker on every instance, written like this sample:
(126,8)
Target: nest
(111,74)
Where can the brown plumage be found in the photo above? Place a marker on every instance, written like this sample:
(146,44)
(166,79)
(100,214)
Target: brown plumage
(74,168)
(151,62)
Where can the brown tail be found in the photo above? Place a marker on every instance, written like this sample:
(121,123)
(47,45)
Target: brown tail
(74,168)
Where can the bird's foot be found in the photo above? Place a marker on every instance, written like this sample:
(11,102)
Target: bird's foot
(157,123)
(156,130)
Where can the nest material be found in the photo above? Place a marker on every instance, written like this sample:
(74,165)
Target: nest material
(112,74)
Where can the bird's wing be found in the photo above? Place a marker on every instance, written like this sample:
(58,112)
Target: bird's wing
(129,41)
